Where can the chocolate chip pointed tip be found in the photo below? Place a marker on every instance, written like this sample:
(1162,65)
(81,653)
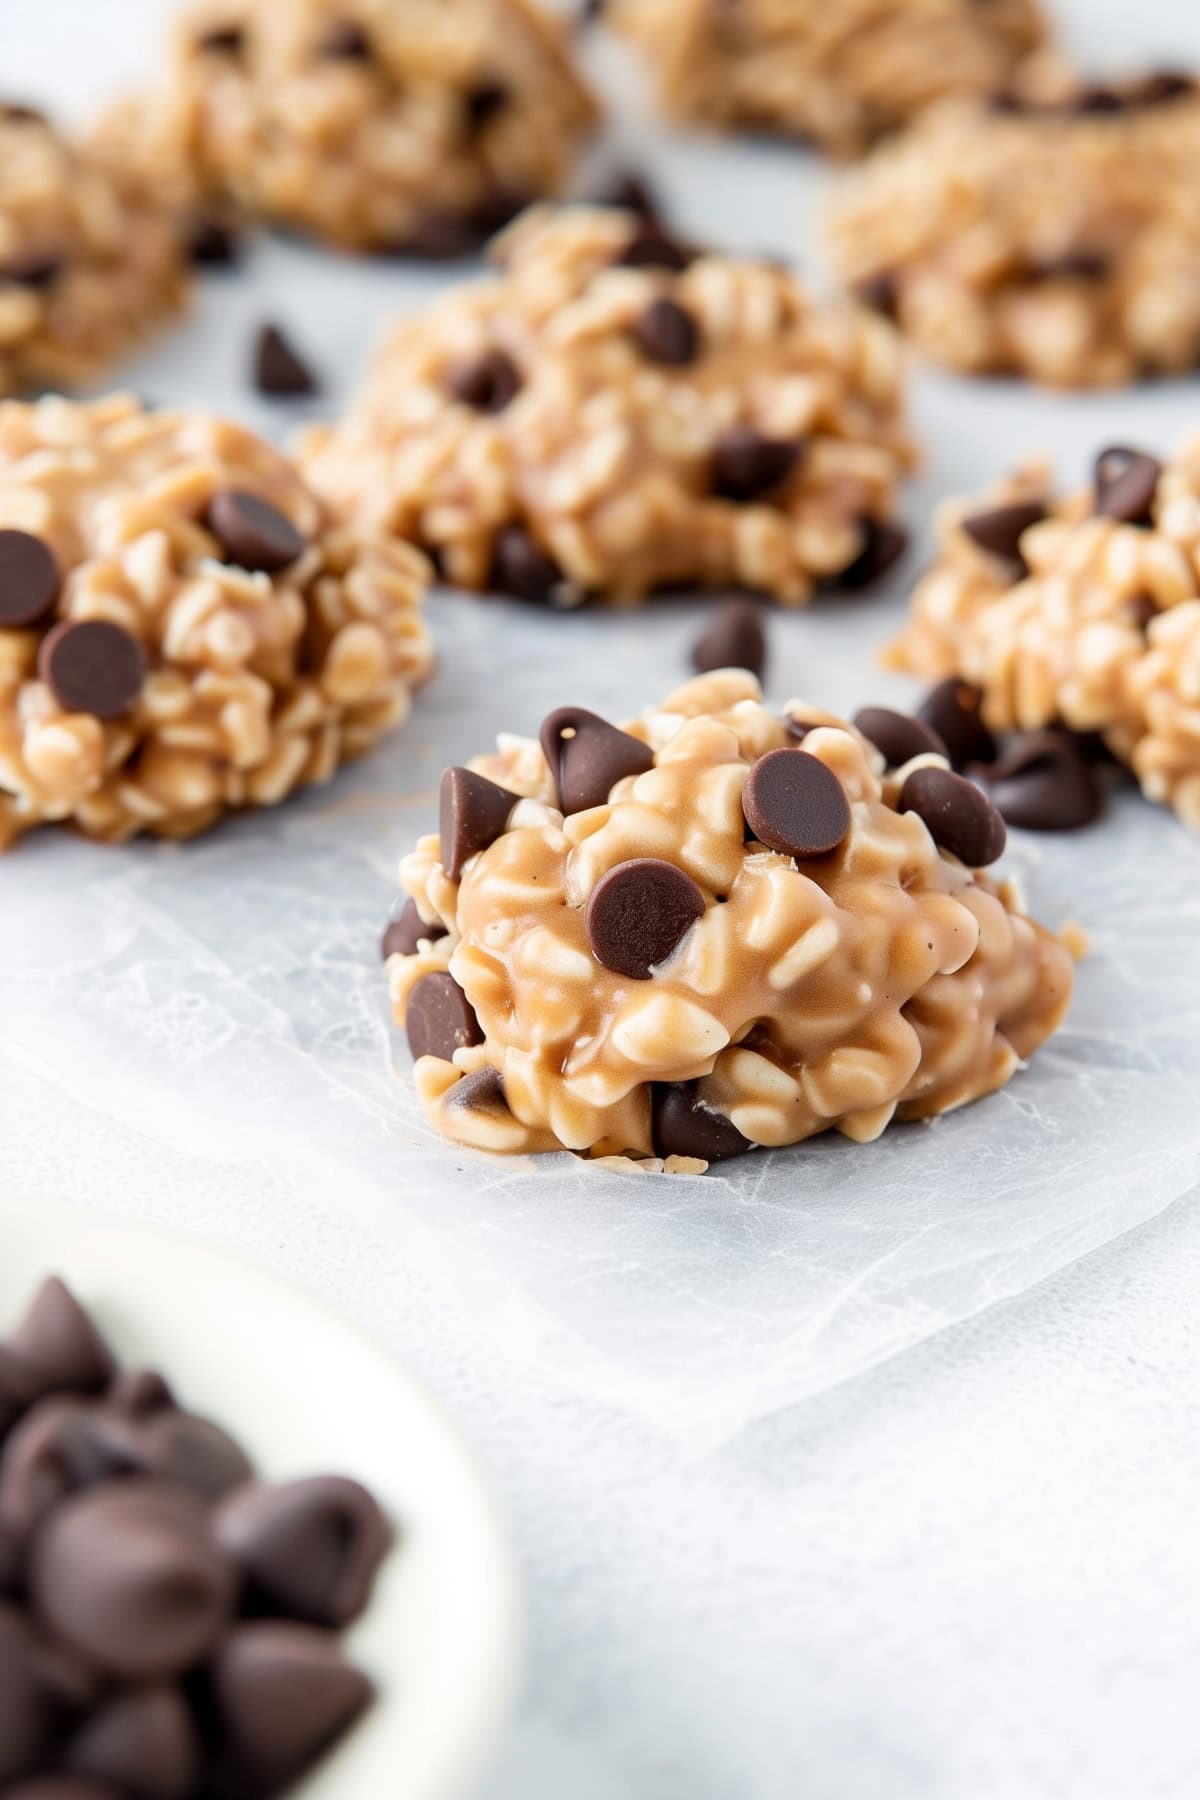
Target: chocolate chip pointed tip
(999,529)
(307,1550)
(883,544)
(404,934)
(58,1344)
(682,1125)
(142,1741)
(1044,781)
(735,638)
(748,465)
(522,568)
(953,709)
(587,757)
(281,1694)
(279,370)
(1126,483)
(474,812)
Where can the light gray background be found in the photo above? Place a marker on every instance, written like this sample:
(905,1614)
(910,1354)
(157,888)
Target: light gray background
(970,1572)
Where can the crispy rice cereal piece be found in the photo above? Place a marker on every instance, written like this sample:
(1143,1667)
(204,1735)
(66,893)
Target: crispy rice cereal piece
(1058,240)
(1089,616)
(840,73)
(791,994)
(183,628)
(614,412)
(87,265)
(392,125)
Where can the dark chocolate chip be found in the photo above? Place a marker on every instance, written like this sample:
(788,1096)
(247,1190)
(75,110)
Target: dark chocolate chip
(403,936)
(213,243)
(1126,482)
(279,369)
(280,1695)
(24,1705)
(880,292)
(796,805)
(639,914)
(682,1125)
(521,567)
(1000,528)
(92,666)
(39,270)
(484,102)
(254,534)
(498,209)
(307,1550)
(126,1573)
(18,1388)
(142,1742)
(883,546)
(138,1393)
(474,812)
(189,1451)
(746,464)
(734,639)
(1141,612)
(441,237)
(1071,265)
(487,382)
(653,248)
(59,1345)
(1162,87)
(958,817)
(19,112)
(54,1451)
(666,333)
(1097,100)
(953,709)
(630,191)
(1044,782)
(29,580)
(898,736)
(346,41)
(440,1018)
(223,40)
(481,1091)
(587,757)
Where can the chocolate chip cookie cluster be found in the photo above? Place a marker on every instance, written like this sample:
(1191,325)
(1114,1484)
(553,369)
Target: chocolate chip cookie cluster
(415,126)
(184,628)
(1053,236)
(1083,612)
(88,265)
(839,75)
(717,928)
(168,1622)
(616,412)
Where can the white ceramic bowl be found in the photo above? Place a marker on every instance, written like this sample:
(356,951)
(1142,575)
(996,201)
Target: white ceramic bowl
(307,1395)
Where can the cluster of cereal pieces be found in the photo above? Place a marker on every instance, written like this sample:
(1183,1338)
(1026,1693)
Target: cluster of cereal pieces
(616,412)
(1081,613)
(1055,236)
(716,929)
(184,627)
(168,1623)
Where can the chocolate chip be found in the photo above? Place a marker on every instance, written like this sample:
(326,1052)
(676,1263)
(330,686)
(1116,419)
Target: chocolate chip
(953,709)
(883,546)
(1071,265)
(734,639)
(189,1451)
(587,757)
(142,1742)
(1141,612)
(639,914)
(1097,100)
(223,40)
(796,805)
(279,368)
(55,1450)
(29,580)
(484,101)
(307,1550)
(138,1393)
(1126,482)
(521,567)
(474,812)
(481,1091)
(441,237)
(1162,87)
(1044,782)
(126,1573)
(746,464)
(630,191)
(653,248)
(24,1704)
(280,1694)
(92,666)
(666,333)
(403,935)
(254,534)
(487,382)
(1000,528)
(898,736)
(498,209)
(19,112)
(346,42)
(880,292)
(682,1125)
(799,728)
(37,271)
(958,817)
(440,1018)
(58,1345)
(213,243)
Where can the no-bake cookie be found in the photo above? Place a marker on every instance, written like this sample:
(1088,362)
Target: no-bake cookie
(839,73)
(1081,611)
(615,412)
(413,126)
(89,260)
(184,628)
(716,928)
(1055,237)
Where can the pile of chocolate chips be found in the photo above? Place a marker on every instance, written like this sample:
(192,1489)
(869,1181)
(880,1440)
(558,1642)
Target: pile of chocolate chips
(168,1623)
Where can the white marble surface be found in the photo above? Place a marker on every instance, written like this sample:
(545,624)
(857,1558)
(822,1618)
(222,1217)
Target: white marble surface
(965,1570)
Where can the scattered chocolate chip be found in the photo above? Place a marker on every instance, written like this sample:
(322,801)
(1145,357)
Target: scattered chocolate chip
(441,237)
(883,546)
(19,112)
(666,333)
(1044,782)
(307,1550)
(29,580)
(521,567)
(639,914)
(498,209)
(92,666)
(254,534)
(403,935)
(279,369)
(440,1018)
(746,464)
(1162,87)
(481,1091)
(734,639)
(58,1345)
(953,709)
(898,736)
(346,41)
(587,757)
(474,812)
(488,382)
(1126,482)
(24,1704)
(796,805)
(142,1742)
(880,292)
(484,102)
(37,271)
(959,818)
(682,1125)
(280,1694)
(213,243)
(1000,528)
(630,191)
(1096,100)
(223,40)
(1071,265)
(654,248)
